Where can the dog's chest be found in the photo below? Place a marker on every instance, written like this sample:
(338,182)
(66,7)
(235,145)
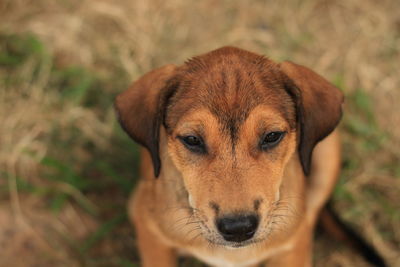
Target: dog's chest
(235,257)
(218,261)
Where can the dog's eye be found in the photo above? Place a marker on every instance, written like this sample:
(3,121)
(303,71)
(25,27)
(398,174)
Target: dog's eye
(271,139)
(193,143)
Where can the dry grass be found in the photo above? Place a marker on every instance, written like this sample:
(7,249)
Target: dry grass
(49,128)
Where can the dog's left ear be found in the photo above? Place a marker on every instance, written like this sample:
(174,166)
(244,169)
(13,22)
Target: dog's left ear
(319,107)
(141,109)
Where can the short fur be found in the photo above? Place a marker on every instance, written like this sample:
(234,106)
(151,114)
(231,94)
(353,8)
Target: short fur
(231,98)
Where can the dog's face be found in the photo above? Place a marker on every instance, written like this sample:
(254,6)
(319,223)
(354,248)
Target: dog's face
(233,122)
(231,144)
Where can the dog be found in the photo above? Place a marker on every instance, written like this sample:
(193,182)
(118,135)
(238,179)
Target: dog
(240,155)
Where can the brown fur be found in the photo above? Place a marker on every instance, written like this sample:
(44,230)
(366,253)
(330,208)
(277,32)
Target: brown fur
(231,98)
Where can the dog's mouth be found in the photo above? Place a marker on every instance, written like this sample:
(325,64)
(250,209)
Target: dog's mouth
(234,245)
(212,235)
(243,229)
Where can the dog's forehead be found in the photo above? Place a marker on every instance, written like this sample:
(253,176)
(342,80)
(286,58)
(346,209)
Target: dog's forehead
(229,82)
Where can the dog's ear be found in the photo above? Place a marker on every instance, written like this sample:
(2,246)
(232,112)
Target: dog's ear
(319,107)
(141,108)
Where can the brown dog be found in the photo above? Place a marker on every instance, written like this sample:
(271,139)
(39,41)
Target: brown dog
(241,155)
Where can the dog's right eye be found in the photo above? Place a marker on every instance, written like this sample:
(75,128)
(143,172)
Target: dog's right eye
(193,143)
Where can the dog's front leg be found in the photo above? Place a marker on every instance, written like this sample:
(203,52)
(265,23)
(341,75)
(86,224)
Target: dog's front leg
(152,251)
(300,255)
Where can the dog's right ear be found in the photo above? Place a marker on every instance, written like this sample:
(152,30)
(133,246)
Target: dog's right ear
(140,109)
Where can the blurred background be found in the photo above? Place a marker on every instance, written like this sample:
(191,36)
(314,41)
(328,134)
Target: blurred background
(66,167)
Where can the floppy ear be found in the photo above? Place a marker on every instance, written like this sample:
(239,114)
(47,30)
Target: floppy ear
(141,109)
(319,107)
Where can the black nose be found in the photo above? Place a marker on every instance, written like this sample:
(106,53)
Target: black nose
(237,228)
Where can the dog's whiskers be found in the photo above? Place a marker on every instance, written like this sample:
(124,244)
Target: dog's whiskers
(281,215)
(194,238)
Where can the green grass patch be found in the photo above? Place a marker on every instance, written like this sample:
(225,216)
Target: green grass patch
(104,229)
(73,85)
(15,50)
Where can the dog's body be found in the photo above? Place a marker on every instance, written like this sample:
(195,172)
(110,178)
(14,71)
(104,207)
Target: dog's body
(234,133)
(165,230)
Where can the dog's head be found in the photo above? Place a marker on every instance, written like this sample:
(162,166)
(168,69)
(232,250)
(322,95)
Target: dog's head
(233,121)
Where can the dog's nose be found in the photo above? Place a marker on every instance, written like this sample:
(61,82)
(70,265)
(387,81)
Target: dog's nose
(237,228)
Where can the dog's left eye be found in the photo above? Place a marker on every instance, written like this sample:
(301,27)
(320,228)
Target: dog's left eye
(193,143)
(271,139)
